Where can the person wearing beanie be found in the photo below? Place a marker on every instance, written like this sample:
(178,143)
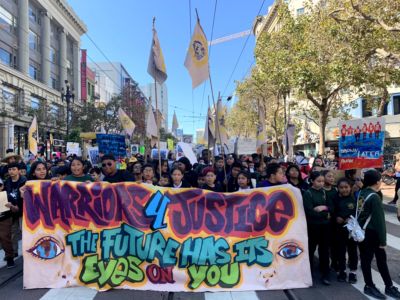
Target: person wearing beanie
(189,175)
(372,214)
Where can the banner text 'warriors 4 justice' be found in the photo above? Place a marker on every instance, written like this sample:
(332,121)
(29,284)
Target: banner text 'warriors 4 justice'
(361,143)
(136,236)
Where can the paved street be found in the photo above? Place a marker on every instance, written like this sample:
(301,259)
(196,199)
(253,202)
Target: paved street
(11,288)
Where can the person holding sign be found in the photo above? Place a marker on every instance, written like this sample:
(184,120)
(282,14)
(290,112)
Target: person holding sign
(5,228)
(177,179)
(111,174)
(77,171)
(318,211)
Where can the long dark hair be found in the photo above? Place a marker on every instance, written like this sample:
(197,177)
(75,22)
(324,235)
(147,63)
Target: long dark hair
(248,176)
(32,176)
(299,177)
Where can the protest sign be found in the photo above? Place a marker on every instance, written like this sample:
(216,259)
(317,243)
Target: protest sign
(93,153)
(361,143)
(139,236)
(73,148)
(111,144)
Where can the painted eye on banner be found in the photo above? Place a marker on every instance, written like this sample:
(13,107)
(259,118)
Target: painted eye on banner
(290,250)
(47,248)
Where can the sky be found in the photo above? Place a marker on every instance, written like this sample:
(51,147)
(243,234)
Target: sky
(122,30)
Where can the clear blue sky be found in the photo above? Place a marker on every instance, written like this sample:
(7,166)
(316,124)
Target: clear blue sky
(122,30)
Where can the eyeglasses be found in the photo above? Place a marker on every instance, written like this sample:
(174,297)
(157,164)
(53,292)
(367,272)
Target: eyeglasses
(106,164)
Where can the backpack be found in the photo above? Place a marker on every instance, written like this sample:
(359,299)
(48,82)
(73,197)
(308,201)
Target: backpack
(355,231)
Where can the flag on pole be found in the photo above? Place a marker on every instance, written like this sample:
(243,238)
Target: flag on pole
(156,67)
(220,128)
(197,57)
(175,124)
(261,131)
(127,123)
(33,137)
(151,128)
(209,130)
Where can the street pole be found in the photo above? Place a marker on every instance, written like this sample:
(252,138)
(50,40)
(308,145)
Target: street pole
(67,94)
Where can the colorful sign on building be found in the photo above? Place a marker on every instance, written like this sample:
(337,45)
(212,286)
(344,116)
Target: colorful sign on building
(139,236)
(361,143)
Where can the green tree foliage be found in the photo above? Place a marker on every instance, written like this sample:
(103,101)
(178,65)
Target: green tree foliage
(372,28)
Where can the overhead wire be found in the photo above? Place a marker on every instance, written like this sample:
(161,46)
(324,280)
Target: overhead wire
(240,55)
(209,50)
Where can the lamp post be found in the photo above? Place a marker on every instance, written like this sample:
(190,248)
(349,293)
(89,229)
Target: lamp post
(67,94)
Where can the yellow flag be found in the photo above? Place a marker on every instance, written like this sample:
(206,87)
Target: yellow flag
(197,57)
(156,67)
(170,143)
(127,123)
(33,136)
(220,128)
(51,139)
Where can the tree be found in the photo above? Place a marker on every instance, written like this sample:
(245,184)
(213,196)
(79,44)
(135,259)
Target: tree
(372,28)
(381,16)
(309,57)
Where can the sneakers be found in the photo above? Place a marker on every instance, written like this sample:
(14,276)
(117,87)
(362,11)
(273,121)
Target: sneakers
(10,263)
(352,278)
(342,276)
(392,292)
(325,280)
(373,292)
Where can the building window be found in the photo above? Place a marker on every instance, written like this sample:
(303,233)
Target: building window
(5,57)
(54,83)
(54,111)
(35,103)
(7,20)
(396,105)
(33,40)
(33,72)
(53,55)
(32,14)
(370,107)
(300,11)
(10,98)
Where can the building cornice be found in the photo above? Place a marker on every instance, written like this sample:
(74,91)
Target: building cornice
(269,18)
(67,10)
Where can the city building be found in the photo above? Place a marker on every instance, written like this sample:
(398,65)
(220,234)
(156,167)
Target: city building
(110,79)
(162,99)
(39,50)
(200,136)
(308,138)
(88,80)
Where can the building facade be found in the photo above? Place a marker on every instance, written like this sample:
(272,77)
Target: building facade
(162,99)
(110,79)
(39,51)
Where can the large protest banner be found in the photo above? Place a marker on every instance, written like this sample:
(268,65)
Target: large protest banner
(111,144)
(137,236)
(361,143)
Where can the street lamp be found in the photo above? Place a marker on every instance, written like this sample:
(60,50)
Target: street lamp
(67,94)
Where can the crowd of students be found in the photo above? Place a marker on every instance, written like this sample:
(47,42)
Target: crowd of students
(328,201)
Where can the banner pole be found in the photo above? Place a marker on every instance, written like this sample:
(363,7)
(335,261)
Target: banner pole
(217,126)
(157,118)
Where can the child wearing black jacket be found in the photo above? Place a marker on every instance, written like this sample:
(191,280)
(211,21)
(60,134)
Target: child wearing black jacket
(345,206)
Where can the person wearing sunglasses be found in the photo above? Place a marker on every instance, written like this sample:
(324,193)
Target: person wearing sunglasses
(111,173)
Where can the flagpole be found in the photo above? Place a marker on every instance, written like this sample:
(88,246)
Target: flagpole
(157,119)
